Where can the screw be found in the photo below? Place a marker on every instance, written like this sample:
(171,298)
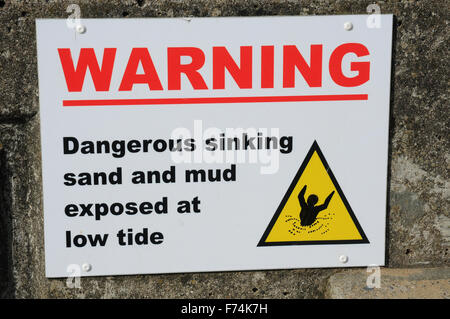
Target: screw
(80,28)
(348,26)
(86,267)
(343,259)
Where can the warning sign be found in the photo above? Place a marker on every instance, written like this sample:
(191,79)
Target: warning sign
(314,210)
(170,151)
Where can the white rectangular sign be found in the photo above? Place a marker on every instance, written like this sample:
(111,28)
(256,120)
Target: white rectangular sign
(214,144)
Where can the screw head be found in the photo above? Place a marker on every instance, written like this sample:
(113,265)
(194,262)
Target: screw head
(348,26)
(80,28)
(86,267)
(343,259)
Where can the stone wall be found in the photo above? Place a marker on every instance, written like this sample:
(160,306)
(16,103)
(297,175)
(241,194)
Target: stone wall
(418,233)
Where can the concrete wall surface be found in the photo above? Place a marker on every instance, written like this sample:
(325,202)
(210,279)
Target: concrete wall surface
(418,233)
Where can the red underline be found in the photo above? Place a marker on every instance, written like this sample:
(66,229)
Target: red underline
(215,100)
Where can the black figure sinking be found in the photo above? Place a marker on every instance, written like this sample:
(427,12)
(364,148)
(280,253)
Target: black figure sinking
(309,211)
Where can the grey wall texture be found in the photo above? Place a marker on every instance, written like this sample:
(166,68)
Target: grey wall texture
(418,226)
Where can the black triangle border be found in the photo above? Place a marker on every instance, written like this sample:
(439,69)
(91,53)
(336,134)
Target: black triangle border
(364,240)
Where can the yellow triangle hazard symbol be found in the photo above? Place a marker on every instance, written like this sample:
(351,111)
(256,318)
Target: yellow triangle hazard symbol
(314,210)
